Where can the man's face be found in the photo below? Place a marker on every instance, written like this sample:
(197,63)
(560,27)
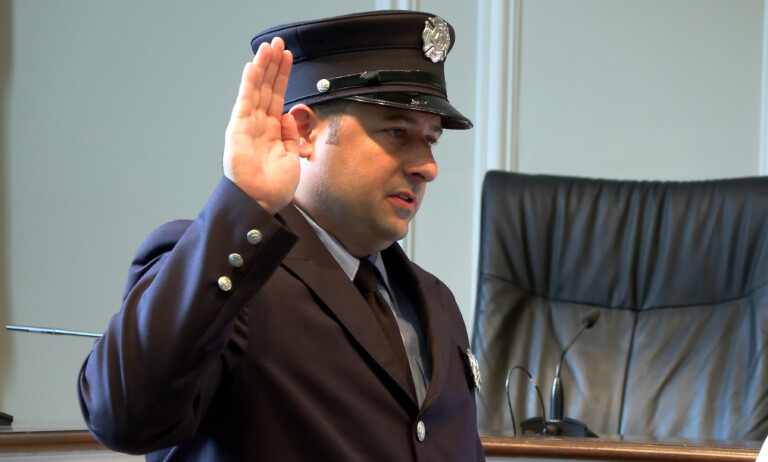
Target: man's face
(366,177)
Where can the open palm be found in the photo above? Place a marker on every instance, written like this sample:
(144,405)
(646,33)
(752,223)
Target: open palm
(261,150)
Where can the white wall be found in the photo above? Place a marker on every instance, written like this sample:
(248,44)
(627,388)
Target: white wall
(112,117)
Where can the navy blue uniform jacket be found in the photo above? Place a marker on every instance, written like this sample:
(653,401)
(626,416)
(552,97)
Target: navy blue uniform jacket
(290,364)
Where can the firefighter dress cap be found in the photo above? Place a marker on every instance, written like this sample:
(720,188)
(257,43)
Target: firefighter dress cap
(389,58)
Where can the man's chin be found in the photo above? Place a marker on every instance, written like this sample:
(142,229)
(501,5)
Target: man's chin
(393,231)
(402,229)
(391,238)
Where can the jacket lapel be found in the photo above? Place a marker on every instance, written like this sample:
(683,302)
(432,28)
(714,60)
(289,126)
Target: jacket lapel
(433,321)
(311,262)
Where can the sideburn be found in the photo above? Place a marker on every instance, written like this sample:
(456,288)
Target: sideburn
(334,129)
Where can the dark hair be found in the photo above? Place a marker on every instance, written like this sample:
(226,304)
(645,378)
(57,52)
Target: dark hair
(332,110)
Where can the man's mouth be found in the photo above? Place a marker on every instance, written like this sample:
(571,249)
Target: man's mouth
(404,200)
(405,197)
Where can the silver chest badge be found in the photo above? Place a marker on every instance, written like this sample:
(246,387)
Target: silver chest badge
(437,39)
(474,369)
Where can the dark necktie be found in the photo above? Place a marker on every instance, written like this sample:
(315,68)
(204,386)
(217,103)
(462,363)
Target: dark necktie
(366,283)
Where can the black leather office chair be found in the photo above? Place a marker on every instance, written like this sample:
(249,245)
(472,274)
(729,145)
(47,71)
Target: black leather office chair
(678,272)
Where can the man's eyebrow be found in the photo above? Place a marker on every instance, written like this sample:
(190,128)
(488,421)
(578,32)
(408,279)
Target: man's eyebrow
(410,121)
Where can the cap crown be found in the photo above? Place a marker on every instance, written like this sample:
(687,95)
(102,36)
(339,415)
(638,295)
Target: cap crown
(378,52)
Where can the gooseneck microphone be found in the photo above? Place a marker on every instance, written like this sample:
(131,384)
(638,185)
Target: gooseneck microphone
(45,330)
(557,425)
(556,398)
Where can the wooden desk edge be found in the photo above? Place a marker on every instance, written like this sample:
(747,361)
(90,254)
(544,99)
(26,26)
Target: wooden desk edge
(48,441)
(565,448)
(598,449)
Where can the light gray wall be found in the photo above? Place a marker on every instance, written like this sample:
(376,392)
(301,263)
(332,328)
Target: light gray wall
(641,89)
(112,117)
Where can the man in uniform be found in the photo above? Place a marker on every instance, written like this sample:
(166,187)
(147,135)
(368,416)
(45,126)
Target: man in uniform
(285,322)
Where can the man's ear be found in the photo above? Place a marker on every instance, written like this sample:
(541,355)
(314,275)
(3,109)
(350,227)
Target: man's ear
(306,122)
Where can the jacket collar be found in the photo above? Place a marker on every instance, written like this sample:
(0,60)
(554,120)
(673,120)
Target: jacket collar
(310,261)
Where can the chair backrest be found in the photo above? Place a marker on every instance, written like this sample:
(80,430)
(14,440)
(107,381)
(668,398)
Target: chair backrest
(678,271)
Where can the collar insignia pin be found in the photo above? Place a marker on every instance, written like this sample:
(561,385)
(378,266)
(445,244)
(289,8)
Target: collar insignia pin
(437,39)
(474,368)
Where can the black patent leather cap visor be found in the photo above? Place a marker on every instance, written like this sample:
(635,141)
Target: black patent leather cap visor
(450,117)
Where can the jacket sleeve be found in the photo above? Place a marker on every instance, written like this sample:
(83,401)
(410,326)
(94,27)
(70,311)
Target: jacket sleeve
(149,380)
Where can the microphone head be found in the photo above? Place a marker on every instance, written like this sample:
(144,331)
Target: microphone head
(591,319)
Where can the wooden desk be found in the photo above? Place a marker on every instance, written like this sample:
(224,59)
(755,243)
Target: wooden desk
(497,448)
(618,449)
(17,445)
(12,440)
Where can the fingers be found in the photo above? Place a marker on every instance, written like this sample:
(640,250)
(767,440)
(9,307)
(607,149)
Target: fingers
(243,103)
(264,80)
(281,83)
(253,74)
(266,89)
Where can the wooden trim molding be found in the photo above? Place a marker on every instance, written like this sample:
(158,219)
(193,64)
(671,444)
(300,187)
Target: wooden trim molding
(616,450)
(47,441)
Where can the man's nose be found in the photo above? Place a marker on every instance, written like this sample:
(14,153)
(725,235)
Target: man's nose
(422,164)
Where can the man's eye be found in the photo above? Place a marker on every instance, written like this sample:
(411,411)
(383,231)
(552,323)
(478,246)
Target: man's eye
(396,132)
(431,141)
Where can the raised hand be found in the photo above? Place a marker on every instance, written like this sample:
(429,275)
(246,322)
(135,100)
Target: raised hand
(261,148)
